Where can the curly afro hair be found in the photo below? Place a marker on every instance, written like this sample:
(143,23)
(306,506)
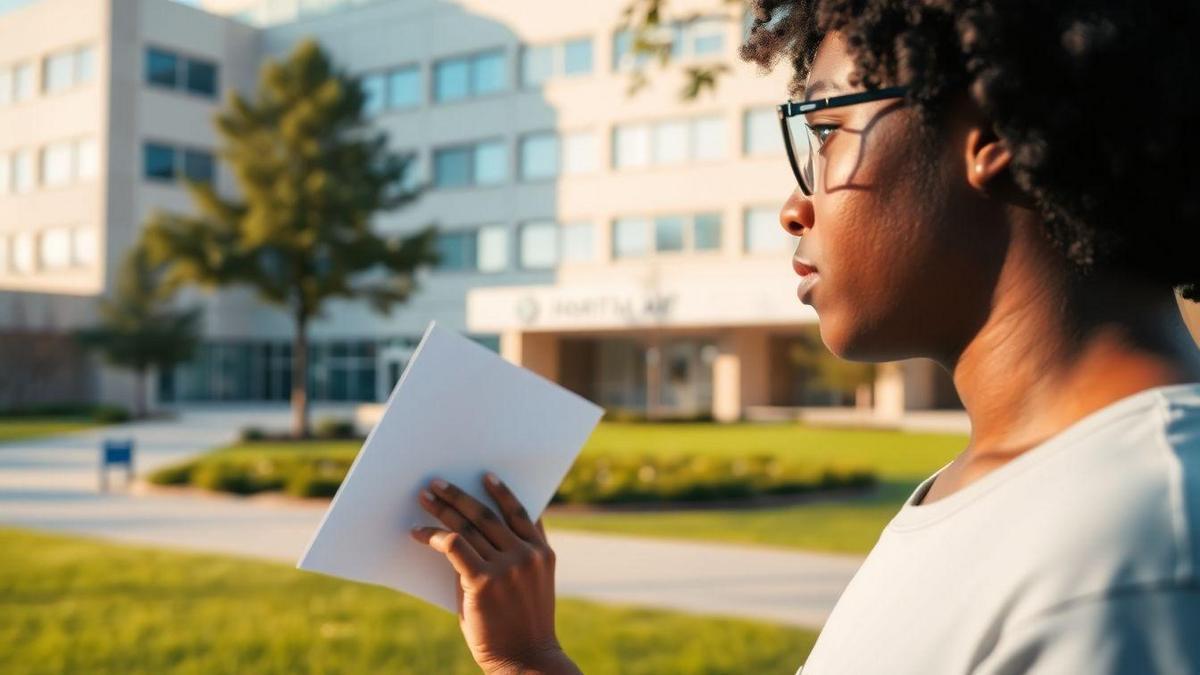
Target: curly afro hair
(1090,96)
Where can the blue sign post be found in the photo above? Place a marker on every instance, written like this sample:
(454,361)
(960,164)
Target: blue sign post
(115,452)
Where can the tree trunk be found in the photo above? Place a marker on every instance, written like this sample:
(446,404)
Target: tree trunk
(140,410)
(300,378)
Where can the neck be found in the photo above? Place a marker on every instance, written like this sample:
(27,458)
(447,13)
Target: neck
(1051,352)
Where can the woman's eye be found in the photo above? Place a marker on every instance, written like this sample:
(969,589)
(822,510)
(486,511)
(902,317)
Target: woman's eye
(822,132)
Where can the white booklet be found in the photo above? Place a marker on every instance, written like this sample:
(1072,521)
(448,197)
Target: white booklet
(458,411)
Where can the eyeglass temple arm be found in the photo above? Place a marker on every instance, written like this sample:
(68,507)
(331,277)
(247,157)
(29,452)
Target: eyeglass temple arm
(793,108)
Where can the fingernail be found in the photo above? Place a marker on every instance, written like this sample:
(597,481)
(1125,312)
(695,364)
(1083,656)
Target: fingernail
(491,478)
(440,484)
(427,495)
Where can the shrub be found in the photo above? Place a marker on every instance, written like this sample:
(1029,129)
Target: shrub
(225,477)
(110,414)
(332,428)
(250,434)
(180,474)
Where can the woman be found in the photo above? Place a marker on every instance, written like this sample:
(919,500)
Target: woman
(1005,188)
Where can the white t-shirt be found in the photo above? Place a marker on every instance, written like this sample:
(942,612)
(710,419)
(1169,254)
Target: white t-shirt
(1081,555)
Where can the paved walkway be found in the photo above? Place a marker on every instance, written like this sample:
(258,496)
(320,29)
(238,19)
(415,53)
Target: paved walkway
(51,484)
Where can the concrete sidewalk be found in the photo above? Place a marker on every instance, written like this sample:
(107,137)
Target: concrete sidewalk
(51,484)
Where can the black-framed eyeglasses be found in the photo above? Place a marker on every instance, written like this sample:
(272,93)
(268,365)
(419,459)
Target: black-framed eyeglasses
(803,141)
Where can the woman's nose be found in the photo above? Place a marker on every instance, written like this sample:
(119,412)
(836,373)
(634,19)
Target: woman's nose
(796,217)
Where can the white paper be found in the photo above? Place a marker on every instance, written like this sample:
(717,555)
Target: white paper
(458,411)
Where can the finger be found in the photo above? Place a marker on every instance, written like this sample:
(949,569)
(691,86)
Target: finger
(462,557)
(542,528)
(483,518)
(455,522)
(514,512)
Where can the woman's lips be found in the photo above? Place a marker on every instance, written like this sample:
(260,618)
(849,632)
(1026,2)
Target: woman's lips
(808,278)
(803,266)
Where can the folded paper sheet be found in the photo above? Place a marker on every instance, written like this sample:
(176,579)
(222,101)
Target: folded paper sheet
(458,411)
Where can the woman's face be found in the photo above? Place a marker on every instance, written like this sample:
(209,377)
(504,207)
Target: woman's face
(896,233)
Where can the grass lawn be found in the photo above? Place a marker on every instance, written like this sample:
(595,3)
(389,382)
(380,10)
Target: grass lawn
(17,428)
(70,605)
(900,459)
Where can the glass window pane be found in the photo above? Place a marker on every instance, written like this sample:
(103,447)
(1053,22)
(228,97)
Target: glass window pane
(202,77)
(57,166)
(577,243)
(23,178)
(708,37)
(457,250)
(404,88)
(85,247)
(23,260)
(54,250)
(87,158)
(539,156)
(539,245)
(159,161)
(577,57)
(6,85)
(710,138)
(488,74)
(623,57)
(493,248)
(668,233)
(764,234)
(491,163)
(452,167)
(161,68)
(581,153)
(58,72)
(706,232)
(372,86)
(199,166)
(631,146)
(537,65)
(631,237)
(670,142)
(85,64)
(451,80)
(763,136)
(23,82)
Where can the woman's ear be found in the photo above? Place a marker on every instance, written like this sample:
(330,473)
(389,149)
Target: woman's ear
(986,156)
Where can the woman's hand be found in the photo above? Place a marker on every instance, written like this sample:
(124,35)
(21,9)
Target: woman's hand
(505,578)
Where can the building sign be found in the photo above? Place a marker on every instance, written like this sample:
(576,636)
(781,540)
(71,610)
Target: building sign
(605,308)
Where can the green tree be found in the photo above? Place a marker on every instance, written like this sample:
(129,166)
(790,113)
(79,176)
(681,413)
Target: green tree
(819,366)
(139,326)
(310,175)
(649,22)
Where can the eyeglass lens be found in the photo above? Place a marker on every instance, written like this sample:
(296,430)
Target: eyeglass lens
(801,142)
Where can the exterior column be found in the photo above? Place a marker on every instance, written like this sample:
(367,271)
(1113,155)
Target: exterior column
(889,390)
(536,351)
(741,374)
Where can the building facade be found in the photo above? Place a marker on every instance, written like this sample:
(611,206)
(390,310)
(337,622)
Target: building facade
(624,244)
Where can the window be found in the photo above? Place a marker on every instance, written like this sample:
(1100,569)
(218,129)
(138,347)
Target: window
(54,249)
(22,170)
(702,37)
(631,145)
(162,68)
(709,134)
(158,161)
(762,135)
(462,77)
(456,250)
(452,167)
(199,166)
(631,237)
(539,245)
(491,163)
(373,87)
(493,248)
(404,88)
(706,232)
(581,153)
(6,85)
(85,248)
(577,243)
(23,259)
(487,73)
(577,57)
(57,164)
(623,57)
(58,72)
(87,158)
(706,36)
(671,142)
(537,65)
(668,233)
(539,156)
(764,234)
(451,80)
(202,77)
(23,82)
(85,64)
